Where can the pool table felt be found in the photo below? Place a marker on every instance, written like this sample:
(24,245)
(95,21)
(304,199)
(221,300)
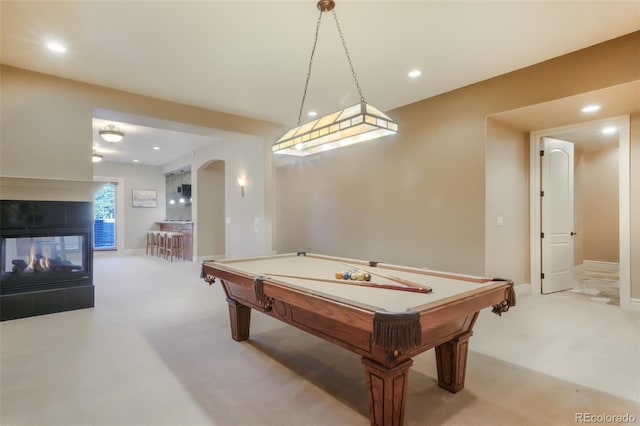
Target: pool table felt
(444,289)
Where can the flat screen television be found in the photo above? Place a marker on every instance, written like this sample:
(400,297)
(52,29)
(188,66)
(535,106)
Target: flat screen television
(186,190)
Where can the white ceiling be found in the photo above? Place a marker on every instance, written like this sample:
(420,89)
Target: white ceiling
(585,128)
(250,57)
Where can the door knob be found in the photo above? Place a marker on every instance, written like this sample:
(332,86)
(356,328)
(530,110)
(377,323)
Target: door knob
(574,233)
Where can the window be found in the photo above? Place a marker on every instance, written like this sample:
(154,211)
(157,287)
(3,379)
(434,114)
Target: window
(104,219)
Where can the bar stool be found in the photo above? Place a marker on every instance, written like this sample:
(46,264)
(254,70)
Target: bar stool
(175,245)
(152,242)
(162,244)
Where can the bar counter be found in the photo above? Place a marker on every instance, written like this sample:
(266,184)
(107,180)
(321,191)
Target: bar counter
(184,226)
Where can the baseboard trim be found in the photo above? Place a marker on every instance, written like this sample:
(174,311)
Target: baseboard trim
(600,265)
(634,305)
(523,289)
(201,259)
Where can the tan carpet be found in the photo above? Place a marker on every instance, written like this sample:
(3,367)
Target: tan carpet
(156,351)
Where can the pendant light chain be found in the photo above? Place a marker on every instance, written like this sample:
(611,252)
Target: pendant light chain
(313,51)
(346,51)
(306,83)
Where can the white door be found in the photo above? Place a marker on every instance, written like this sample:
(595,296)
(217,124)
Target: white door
(557,215)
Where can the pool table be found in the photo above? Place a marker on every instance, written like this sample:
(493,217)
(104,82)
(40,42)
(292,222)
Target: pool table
(386,326)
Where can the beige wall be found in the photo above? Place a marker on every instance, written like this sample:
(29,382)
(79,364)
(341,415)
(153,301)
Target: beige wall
(578,206)
(507,202)
(635,204)
(419,197)
(211,208)
(46,122)
(598,174)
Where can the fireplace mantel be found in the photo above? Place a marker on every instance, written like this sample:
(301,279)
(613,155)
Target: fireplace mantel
(38,189)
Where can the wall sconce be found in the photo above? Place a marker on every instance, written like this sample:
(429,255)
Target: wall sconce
(241,182)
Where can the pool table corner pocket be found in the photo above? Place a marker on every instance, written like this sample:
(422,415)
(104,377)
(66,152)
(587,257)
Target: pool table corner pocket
(258,287)
(396,332)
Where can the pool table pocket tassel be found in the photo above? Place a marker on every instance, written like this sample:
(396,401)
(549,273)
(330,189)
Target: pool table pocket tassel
(397,332)
(258,289)
(510,301)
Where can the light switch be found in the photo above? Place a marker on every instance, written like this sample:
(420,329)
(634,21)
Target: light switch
(500,221)
(228,220)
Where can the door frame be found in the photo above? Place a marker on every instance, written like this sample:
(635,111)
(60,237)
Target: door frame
(120,207)
(535,213)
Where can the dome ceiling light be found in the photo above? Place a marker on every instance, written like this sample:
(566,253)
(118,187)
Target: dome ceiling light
(111,133)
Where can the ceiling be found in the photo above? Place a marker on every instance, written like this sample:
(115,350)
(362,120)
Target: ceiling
(251,57)
(585,129)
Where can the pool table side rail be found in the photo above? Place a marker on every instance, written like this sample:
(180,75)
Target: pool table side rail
(487,284)
(385,336)
(392,267)
(341,324)
(364,265)
(245,292)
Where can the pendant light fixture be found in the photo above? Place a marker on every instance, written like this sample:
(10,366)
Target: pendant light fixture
(181,187)
(172,199)
(96,158)
(111,133)
(358,123)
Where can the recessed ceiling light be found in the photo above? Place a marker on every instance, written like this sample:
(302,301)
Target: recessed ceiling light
(415,73)
(609,130)
(591,108)
(135,161)
(56,47)
(312,113)
(156,148)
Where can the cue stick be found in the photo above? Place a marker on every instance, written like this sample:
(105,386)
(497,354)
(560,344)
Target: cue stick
(356,283)
(393,278)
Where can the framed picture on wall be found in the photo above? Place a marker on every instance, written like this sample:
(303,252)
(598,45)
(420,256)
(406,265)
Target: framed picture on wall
(144,198)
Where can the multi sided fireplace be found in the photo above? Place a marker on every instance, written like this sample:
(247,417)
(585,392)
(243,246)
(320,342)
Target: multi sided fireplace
(47,257)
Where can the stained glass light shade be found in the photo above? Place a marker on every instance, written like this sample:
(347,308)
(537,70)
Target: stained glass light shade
(357,123)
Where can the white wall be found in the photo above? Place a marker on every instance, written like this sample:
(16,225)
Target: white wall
(137,221)
(243,156)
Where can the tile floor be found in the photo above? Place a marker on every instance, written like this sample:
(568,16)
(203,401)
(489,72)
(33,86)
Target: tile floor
(597,284)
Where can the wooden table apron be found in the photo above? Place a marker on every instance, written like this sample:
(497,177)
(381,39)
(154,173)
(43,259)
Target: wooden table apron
(447,326)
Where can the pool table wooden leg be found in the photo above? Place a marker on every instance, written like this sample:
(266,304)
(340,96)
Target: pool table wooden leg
(386,392)
(451,358)
(240,320)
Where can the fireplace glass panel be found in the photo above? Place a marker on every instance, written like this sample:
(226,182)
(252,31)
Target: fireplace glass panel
(39,262)
(43,254)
